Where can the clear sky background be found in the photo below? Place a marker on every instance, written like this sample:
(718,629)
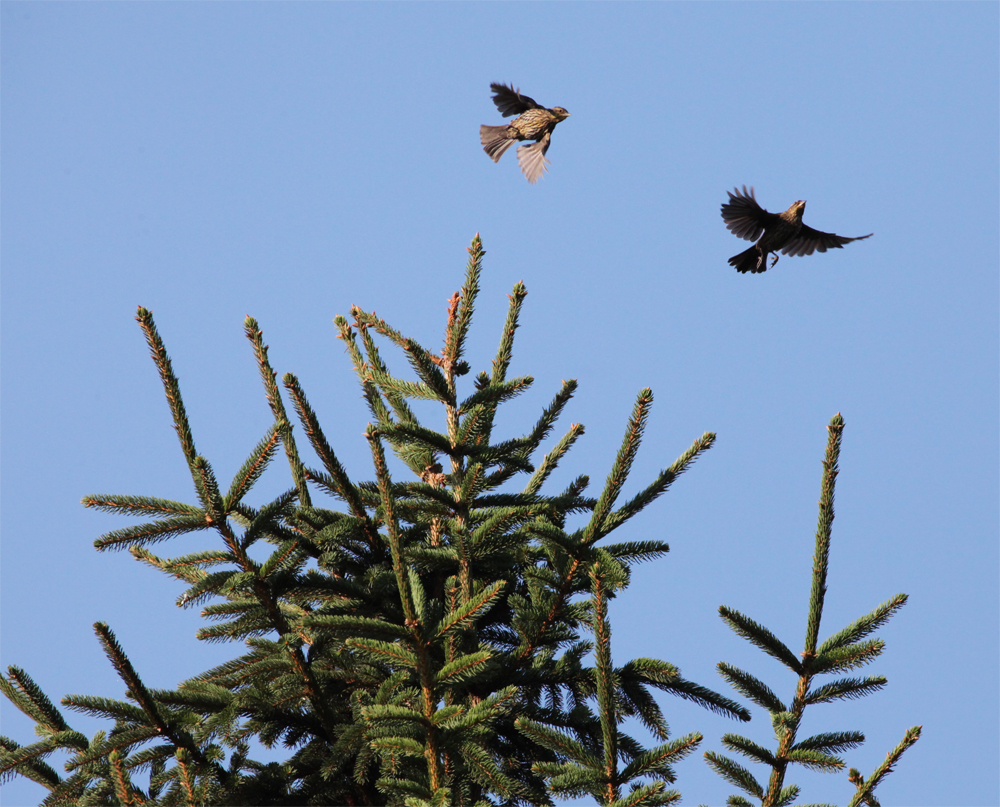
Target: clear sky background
(210,161)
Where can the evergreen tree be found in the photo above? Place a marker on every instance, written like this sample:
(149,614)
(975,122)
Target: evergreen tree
(426,641)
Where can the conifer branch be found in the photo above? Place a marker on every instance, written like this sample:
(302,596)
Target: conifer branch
(364,320)
(152,532)
(864,626)
(815,760)
(650,670)
(845,650)
(159,725)
(26,760)
(621,468)
(276,621)
(380,384)
(125,791)
(831,742)
(845,688)
(170,386)
(396,389)
(651,795)
(847,657)
(541,431)
(187,568)
(660,485)
(338,474)
(498,704)
(637,551)
(606,701)
(253,468)
(496,393)
(105,707)
(479,409)
(865,789)
(788,794)
(463,667)
(468,613)
(392,652)
(496,531)
(140,505)
(282,424)
(126,738)
(824,528)
(389,519)
(751,687)
(559,742)
(505,350)
(734,774)
(414,434)
(703,696)
(616,478)
(68,791)
(369,371)
(425,367)
(657,761)
(455,342)
(734,742)
(208,490)
(267,523)
(485,771)
(21,690)
(348,625)
(761,637)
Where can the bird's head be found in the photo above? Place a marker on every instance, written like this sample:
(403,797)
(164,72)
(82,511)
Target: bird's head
(799,207)
(559,112)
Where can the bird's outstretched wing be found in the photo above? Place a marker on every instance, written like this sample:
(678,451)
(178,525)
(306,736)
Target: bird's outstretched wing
(532,158)
(744,217)
(510,101)
(809,241)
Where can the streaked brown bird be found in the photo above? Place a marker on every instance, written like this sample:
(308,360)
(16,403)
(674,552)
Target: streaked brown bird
(533,122)
(774,232)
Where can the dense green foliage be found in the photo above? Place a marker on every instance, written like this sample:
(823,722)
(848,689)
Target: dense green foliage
(439,640)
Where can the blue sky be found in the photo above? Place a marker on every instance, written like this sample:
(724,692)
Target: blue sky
(210,161)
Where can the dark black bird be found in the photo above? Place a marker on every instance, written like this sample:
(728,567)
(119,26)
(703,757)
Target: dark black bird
(534,122)
(777,232)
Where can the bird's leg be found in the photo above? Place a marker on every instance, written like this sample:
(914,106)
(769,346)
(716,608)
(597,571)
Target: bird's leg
(774,259)
(761,259)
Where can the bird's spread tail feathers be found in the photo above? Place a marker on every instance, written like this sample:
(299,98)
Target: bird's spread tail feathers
(494,141)
(750,260)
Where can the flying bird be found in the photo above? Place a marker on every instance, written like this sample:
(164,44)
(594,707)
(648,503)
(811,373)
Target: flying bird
(774,232)
(533,122)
